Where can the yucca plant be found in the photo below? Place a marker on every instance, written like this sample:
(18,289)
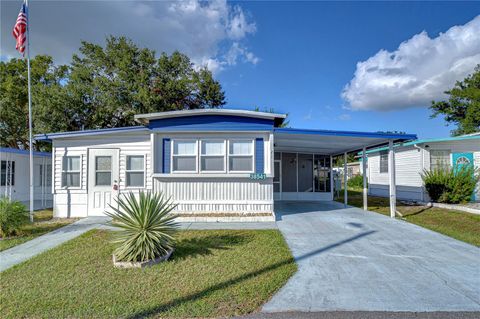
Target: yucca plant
(146,226)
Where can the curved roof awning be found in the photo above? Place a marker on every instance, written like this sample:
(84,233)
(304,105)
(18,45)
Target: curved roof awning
(332,142)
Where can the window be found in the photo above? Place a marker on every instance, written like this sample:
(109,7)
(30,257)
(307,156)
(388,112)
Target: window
(321,172)
(71,171)
(212,157)
(49,175)
(135,171)
(439,159)
(39,180)
(7,176)
(184,156)
(44,171)
(384,162)
(103,170)
(240,156)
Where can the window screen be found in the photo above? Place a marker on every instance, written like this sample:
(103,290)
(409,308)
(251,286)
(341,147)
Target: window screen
(384,162)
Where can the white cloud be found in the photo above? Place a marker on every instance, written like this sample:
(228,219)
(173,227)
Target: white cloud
(419,71)
(205,31)
(345,117)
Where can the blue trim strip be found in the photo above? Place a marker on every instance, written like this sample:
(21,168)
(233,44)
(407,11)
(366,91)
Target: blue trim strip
(345,133)
(24,152)
(49,136)
(211,123)
(166,155)
(259,156)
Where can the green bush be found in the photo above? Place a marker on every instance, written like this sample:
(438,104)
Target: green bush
(146,226)
(13,215)
(450,185)
(355,182)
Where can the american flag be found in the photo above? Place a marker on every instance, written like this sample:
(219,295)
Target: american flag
(20,29)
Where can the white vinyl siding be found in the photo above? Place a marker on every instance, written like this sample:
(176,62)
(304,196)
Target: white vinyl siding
(73,202)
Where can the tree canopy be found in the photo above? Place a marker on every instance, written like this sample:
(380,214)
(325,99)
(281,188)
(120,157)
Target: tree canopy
(463,105)
(102,87)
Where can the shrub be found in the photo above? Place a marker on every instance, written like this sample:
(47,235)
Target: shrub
(450,185)
(356,181)
(146,226)
(13,215)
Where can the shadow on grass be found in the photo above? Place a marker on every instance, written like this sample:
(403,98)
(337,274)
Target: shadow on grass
(176,302)
(204,246)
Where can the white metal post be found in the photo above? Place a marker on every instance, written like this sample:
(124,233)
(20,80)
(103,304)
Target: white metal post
(364,167)
(391,179)
(345,192)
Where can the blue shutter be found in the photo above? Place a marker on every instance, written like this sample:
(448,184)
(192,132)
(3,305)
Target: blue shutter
(259,156)
(166,156)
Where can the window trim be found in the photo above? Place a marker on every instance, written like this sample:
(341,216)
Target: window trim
(136,171)
(224,155)
(252,155)
(172,155)
(64,171)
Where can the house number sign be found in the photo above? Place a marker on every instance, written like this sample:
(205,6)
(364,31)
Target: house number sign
(258,176)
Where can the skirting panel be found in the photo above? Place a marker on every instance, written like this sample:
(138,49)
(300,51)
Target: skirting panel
(218,195)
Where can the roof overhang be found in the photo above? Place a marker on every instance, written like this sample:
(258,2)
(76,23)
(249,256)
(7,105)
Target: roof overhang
(146,118)
(73,134)
(332,142)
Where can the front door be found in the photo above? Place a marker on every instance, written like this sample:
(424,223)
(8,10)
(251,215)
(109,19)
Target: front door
(102,179)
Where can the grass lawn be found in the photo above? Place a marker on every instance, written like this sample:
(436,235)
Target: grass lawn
(43,222)
(459,225)
(213,273)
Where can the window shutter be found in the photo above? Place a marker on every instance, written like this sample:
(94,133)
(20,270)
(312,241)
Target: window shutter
(259,156)
(166,155)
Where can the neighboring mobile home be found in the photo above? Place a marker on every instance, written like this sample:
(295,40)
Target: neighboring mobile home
(413,157)
(15,178)
(216,164)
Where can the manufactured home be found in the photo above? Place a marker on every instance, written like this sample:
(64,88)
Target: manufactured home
(216,164)
(413,157)
(15,177)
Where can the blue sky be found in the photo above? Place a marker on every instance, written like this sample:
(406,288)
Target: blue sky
(369,66)
(308,53)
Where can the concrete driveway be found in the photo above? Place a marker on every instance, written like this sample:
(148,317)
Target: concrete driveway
(353,260)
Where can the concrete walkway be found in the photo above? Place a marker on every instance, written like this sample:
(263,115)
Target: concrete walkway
(20,253)
(353,260)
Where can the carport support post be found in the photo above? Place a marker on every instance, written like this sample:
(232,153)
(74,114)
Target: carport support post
(391,175)
(345,192)
(364,169)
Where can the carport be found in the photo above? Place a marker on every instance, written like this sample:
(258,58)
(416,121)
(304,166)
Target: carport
(303,161)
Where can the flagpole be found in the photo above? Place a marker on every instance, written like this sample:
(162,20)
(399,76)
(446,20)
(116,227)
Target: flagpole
(29,111)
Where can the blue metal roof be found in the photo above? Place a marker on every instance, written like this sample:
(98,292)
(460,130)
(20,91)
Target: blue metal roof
(428,140)
(50,136)
(24,152)
(396,136)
